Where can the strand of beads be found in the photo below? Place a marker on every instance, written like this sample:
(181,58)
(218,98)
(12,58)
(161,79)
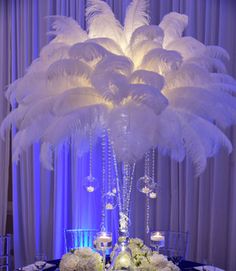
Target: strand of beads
(117,178)
(125,173)
(147,200)
(103,177)
(153,193)
(129,190)
(144,183)
(110,198)
(90,182)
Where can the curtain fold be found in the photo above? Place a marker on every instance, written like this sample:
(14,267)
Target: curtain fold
(45,203)
(5,79)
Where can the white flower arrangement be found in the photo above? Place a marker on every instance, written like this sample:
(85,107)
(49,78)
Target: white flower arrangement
(143,258)
(81,259)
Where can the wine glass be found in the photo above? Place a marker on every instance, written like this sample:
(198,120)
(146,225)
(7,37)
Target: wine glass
(157,239)
(102,242)
(40,261)
(175,246)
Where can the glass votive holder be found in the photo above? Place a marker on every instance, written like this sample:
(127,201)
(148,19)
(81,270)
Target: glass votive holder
(157,239)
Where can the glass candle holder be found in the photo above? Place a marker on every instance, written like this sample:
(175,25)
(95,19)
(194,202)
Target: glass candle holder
(102,242)
(157,239)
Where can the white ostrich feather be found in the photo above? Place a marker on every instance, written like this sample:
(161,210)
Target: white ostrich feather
(102,22)
(73,99)
(111,85)
(68,67)
(46,155)
(109,44)
(140,50)
(80,142)
(193,145)
(211,137)
(82,120)
(224,97)
(173,25)
(161,61)
(210,64)
(149,96)
(223,78)
(203,103)
(14,117)
(17,145)
(25,137)
(188,47)
(10,92)
(169,135)
(147,32)
(147,77)
(37,112)
(115,63)
(136,16)
(218,53)
(67,30)
(52,52)
(188,75)
(26,86)
(88,52)
(229,88)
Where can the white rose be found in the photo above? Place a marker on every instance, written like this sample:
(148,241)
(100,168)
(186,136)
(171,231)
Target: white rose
(158,260)
(84,252)
(69,262)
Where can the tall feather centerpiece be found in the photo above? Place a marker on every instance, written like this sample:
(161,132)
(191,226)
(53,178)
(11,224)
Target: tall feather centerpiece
(146,84)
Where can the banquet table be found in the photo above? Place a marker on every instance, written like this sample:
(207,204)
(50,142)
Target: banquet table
(184,265)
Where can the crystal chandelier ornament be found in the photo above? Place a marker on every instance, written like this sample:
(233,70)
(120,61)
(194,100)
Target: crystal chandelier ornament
(110,201)
(90,183)
(113,186)
(144,184)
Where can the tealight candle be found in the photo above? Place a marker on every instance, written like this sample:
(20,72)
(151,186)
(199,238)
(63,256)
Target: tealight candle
(153,195)
(104,238)
(90,189)
(109,206)
(145,190)
(157,236)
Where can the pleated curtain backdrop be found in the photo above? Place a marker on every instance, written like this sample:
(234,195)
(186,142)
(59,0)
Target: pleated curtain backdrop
(45,203)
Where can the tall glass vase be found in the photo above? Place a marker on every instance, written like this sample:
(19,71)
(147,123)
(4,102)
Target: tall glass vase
(121,259)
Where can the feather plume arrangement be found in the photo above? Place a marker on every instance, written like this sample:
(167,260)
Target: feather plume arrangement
(147,84)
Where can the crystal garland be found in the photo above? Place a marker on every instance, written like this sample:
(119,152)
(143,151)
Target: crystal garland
(90,182)
(128,176)
(147,200)
(110,197)
(153,193)
(103,178)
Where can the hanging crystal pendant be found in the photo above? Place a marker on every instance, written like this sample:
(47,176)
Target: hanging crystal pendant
(110,201)
(144,184)
(114,186)
(90,183)
(153,193)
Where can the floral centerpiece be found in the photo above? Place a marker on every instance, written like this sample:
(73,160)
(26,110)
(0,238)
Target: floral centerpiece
(81,259)
(143,258)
